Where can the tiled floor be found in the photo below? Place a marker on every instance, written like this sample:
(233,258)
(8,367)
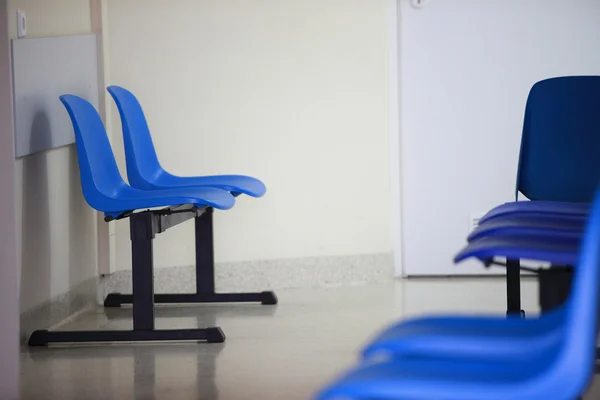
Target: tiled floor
(284,352)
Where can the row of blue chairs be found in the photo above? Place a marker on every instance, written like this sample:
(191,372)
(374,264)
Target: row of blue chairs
(551,356)
(557,171)
(153,200)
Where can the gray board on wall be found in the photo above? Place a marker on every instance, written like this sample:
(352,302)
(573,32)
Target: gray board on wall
(44,69)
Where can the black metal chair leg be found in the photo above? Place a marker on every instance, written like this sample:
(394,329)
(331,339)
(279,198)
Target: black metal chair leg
(144,226)
(205,276)
(513,289)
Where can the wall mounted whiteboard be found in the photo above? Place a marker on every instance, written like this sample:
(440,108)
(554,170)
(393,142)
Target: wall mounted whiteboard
(44,69)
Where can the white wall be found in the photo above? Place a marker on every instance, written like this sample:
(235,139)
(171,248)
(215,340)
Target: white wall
(466,69)
(292,92)
(57,228)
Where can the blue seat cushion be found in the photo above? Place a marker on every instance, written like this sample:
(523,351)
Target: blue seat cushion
(468,337)
(237,184)
(537,207)
(531,225)
(435,379)
(563,251)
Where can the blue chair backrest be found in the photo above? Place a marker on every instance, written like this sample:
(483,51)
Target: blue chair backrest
(578,351)
(142,162)
(560,145)
(100,176)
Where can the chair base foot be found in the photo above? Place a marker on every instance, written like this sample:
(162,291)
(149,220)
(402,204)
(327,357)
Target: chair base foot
(45,337)
(266,298)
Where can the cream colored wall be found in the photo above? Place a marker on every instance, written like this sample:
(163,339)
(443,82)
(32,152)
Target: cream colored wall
(292,92)
(57,228)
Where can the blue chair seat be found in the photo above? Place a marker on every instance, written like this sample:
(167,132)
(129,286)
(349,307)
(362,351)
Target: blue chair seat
(435,379)
(540,225)
(560,368)
(129,199)
(537,207)
(103,187)
(236,184)
(468,337)
(144,170)
(558,251)
(558,160)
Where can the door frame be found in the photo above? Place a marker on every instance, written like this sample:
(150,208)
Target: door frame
(393,66)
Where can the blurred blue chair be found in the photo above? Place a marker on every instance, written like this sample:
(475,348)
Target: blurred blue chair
(561,368)
(491,337)
(558,170)
(143,168)
(105,190)
(145,172)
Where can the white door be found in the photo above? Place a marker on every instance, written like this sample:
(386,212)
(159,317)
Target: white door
(466,67)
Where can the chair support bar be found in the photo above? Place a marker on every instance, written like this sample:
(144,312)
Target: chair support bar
(168,218)
(205,265)
(512,265)
(143,228)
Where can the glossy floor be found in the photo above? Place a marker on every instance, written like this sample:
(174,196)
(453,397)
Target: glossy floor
(272,352)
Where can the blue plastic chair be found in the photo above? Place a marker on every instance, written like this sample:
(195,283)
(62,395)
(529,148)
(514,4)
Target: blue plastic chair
(558,169)
(538,208)
(143,167)
(560,370)
(557,251)
(484,336)
(103,186)
(559,160)
(150,212)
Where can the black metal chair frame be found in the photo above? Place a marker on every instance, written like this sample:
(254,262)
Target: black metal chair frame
(144,226)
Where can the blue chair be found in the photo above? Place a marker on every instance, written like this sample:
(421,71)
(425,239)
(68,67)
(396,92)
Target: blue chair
(558,168)
(105,190)
(103,187)
(560,146)
(143,168)
(145,172)
(487,336)
(560,369)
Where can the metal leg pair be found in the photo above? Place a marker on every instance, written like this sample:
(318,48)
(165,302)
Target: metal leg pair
(205,277)
(143,228)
